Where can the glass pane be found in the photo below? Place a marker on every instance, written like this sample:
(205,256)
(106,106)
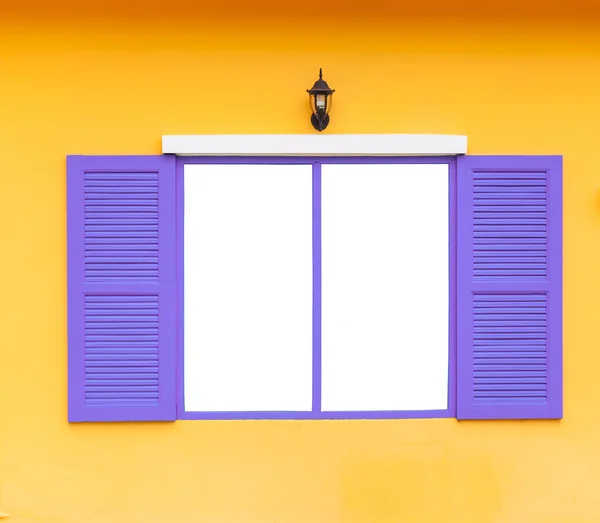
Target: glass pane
(248,287)
(385,287)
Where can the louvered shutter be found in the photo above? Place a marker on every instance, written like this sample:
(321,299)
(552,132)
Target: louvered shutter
(121,288)
(509,287)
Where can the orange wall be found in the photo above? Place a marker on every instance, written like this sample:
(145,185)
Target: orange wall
(92,82)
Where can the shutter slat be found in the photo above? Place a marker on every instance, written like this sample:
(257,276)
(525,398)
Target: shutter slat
(121,277)
(509,360)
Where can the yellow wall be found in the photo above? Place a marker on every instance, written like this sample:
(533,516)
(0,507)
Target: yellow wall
(100,82)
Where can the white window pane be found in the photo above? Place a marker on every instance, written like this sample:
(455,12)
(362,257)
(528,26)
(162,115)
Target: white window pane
(248,288)
(385,287)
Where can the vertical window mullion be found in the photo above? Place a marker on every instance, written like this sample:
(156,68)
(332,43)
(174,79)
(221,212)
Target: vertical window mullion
(316,232)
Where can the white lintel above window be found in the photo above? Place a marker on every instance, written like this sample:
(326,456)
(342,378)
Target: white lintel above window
(315,145)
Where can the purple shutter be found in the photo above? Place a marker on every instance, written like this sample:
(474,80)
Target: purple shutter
(509,287)
(121,288)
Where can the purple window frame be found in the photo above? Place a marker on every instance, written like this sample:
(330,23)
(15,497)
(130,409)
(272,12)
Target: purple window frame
(316,413)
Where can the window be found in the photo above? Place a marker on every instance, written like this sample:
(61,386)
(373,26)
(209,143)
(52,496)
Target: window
(299,288)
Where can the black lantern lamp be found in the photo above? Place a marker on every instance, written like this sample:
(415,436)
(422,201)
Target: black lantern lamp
(320,102)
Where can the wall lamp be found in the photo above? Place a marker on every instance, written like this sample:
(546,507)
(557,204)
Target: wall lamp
(320,97)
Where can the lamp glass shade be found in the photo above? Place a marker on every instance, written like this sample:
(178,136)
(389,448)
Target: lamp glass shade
(320,103)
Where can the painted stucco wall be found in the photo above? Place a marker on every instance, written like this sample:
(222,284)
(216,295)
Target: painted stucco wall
(112,82)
